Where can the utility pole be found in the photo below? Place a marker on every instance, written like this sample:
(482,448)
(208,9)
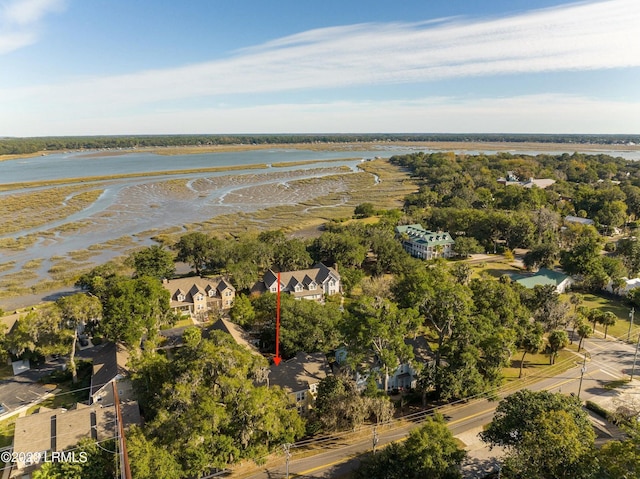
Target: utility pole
(287,455)
(583,370)
(635,356)
(630,322)
(375,438)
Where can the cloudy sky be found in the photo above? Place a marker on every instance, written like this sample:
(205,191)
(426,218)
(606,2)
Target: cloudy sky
(86,67)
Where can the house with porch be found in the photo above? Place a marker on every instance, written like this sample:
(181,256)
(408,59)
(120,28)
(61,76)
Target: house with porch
(313,283)
(196,296)
(425,244)
(300,376)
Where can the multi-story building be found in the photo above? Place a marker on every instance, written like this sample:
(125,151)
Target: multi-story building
(424,244)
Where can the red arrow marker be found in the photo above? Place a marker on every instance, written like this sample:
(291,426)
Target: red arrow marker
(277,359)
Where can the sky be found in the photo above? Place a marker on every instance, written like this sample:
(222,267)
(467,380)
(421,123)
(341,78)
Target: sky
(118,67)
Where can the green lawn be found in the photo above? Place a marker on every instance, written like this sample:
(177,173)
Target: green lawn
(495,269)
(619,307)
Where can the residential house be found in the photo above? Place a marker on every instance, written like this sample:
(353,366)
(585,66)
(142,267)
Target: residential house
(512,180)
(577,220)
(109,367)
(628,285)
(54,430)
(313,283)
(196,296)
(404,377)
(544,277)
(299,376)
(424,244)
(239,335)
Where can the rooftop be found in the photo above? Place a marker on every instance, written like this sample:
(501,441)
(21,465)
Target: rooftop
(298,373)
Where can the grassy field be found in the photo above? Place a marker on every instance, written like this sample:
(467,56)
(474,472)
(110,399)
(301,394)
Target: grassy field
(617,306)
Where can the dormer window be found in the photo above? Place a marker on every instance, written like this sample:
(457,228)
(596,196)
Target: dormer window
(298,288)
(312,286)
(180,297)
(199,297)
(212,293)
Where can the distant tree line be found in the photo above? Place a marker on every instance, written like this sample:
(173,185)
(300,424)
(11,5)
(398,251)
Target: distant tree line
(9,146)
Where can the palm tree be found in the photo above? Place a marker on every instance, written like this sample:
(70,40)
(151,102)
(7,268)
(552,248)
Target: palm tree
(558,339)
(608,319)
(584,331)
(532,342)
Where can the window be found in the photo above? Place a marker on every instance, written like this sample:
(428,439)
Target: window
(301,396)
(212,293)
(199,297)
(181,297)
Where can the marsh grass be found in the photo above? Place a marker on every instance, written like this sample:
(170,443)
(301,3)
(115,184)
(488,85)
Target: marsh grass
(81,255)
(7,266)
(19,243)
(32,209)
(96,179)
(33,264)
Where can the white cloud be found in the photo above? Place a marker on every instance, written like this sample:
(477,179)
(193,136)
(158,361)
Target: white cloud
(530,113)
(577,37)
(19,21)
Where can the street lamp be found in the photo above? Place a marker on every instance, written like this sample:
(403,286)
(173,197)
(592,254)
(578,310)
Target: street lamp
(583,370)
(630,322)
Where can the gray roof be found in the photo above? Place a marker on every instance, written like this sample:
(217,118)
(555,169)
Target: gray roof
(239,335)
(298,373)
(109,363)
(577,219)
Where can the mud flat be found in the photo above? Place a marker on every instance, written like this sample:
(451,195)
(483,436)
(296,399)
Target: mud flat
(136,213)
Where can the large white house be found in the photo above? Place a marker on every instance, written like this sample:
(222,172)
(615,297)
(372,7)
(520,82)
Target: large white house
(425,244)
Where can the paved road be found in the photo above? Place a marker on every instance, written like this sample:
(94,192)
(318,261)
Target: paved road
(607,360)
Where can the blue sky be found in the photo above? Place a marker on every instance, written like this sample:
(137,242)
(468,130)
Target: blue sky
(89,67)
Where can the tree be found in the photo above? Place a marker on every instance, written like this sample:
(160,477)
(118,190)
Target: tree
(291,255)
(608,319)
(532,342)
(149,459)
(584,331)
(100,463)
(429,451)
(557,340)
(466,246)
(195,249)
(364,210)
(546,436)
(556,447)
(204,408)
(152,261)
(378,326)
(132,308)
(99,279)
(339,406)
(543,255)
(78,309)
(242,311)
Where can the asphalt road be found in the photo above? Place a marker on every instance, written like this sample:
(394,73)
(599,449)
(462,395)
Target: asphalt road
(607,360)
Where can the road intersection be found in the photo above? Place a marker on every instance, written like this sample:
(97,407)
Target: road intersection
(607,360)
